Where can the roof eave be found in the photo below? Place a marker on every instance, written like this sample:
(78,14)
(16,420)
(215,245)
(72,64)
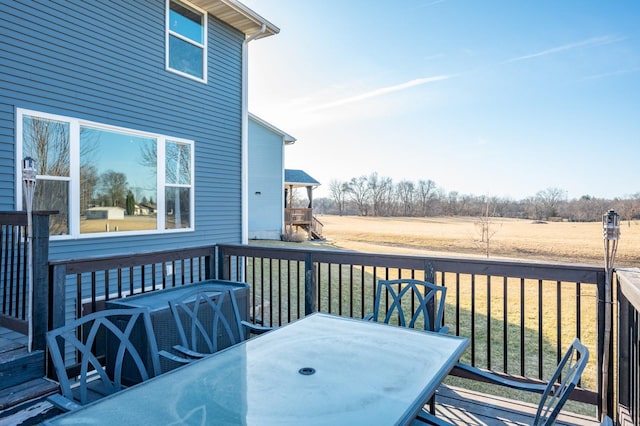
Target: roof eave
(238,16)
(286,138)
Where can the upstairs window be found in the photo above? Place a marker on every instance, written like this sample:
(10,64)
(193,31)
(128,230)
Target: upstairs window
(186,40)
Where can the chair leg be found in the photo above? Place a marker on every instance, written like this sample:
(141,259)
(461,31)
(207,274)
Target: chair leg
(432,405)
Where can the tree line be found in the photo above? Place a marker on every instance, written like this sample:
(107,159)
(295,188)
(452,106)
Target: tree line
(374,195)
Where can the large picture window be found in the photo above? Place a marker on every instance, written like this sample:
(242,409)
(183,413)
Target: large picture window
(106,180)
(186,40)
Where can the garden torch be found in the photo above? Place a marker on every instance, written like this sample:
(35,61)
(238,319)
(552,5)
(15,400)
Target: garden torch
(29,187)
(610,235)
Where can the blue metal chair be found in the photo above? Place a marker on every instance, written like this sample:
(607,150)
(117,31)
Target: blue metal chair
(102,353)
(554,393)
(207,321)
(411,303)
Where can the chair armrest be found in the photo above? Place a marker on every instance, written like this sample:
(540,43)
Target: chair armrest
(444,329)
(368,317)
(62,402)
(498,380)
(174,358)
(188,352)
(254,328)
(426,418)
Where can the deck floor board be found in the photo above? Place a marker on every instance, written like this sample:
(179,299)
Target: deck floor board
(10,337)
(469,408)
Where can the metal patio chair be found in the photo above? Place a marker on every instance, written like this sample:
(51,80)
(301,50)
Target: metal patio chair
(410,303)
(554,393)
(413,304)
(207,321)
(102,353)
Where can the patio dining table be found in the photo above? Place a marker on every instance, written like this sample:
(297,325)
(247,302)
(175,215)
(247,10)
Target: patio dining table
(319,370)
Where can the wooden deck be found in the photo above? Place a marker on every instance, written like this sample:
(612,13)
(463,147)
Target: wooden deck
(469,408)
(10,338)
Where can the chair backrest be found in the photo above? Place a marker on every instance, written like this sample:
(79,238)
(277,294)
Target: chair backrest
(410,303)
(96,355)
(201,320)
(565,378)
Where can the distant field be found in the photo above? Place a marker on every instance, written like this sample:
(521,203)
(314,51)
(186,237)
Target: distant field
(565,242)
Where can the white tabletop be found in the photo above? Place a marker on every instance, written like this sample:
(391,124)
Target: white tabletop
(365,373)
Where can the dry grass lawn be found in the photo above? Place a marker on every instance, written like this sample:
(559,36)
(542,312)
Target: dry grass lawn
(565,242)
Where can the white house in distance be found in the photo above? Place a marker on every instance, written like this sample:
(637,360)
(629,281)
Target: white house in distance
(266,179)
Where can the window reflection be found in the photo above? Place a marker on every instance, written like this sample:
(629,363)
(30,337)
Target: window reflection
(185,21)
(118,181)
(178,208)
(47,141)
(102,179)
(186,29)
(185,57)
(178,181)
(53,195)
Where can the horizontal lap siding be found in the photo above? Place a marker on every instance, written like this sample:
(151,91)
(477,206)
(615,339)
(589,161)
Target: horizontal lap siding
(104,61)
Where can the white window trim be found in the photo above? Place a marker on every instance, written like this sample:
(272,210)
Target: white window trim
(74,177)
(204,45)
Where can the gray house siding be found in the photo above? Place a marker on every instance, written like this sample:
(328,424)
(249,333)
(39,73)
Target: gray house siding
(265,186)
(104,61)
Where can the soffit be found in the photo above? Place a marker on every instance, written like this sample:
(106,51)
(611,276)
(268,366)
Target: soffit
(238,16)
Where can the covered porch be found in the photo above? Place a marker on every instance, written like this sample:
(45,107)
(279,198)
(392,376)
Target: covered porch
(296,216)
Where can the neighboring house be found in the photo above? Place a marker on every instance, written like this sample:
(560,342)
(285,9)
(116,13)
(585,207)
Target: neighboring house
(266,179)
(109,213)
(299,179)
(128,97)
(144,209)
(301,216)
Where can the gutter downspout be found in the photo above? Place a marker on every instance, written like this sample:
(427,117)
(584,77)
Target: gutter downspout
(245,132)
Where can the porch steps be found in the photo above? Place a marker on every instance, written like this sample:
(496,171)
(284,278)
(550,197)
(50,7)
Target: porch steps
(17,365)
(22,384)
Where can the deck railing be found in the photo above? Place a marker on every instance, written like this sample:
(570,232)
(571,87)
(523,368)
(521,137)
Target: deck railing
(628,377)
(14,290)
(519,316)
(297,216)
(79,287)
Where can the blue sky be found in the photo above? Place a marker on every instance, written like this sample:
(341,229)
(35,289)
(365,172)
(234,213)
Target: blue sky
(500,98)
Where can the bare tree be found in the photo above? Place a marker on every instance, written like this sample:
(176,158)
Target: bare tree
(47,141)
(550,200)
(629,207)
(406,191)
(380,190)
(114,186)
(359,194)
(486,227)
(339,191)
(88,183)
(452,203)
(426,190)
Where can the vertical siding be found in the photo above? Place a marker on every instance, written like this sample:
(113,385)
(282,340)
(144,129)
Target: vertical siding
(265,163)
(103,60)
